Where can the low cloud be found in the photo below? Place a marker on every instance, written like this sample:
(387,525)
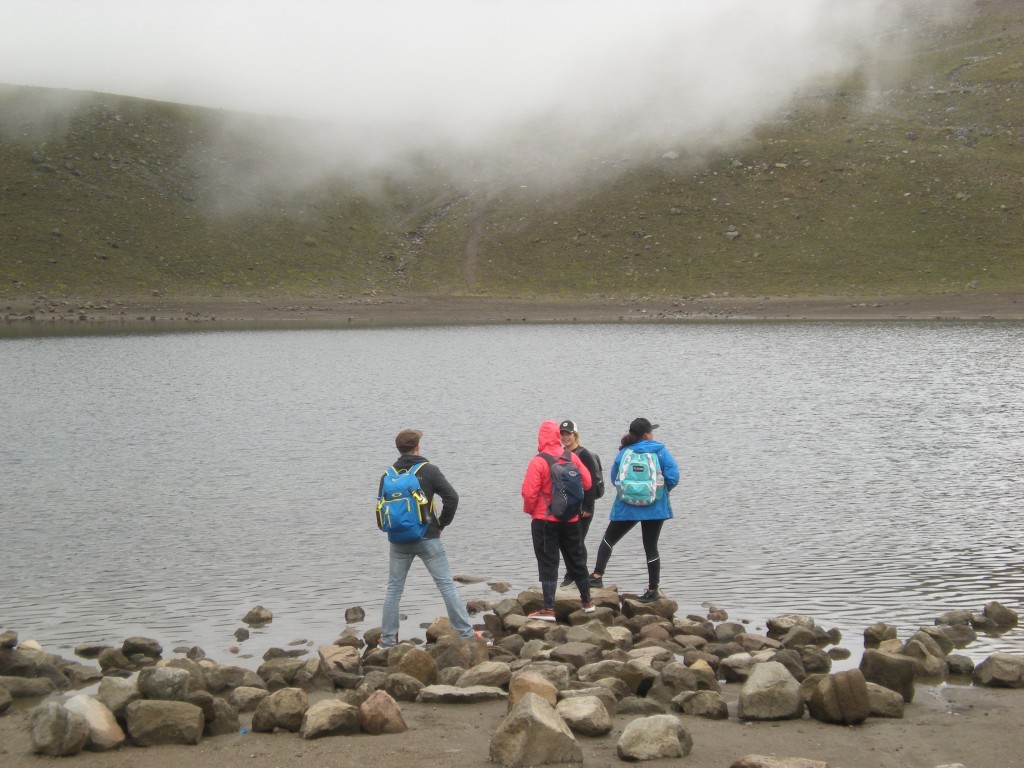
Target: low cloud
(514,90)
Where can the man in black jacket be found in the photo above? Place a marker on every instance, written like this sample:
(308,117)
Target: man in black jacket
(429,549)
(570,436)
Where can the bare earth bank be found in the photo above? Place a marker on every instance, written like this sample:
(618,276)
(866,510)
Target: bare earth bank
(977,727)
(377,311)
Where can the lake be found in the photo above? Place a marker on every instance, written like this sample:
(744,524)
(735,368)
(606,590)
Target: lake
(163,484)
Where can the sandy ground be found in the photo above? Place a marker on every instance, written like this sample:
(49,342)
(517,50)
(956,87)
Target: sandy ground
(372,311)
(976,727)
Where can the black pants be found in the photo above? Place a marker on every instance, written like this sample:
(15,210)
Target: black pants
(584,525)
(554,540)
(649,529)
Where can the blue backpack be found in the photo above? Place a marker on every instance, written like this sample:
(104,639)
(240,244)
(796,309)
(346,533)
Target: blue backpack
(403,512)
(640,482)
(566,486)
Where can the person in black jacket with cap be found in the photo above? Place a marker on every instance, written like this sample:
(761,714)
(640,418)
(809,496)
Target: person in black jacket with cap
(570,436)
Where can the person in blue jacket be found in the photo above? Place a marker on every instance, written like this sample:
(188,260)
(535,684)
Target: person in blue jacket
(631,506)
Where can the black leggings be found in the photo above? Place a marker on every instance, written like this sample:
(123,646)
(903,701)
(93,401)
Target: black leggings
(649,529)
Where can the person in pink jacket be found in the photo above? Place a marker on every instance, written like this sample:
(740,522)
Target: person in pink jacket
(553,537)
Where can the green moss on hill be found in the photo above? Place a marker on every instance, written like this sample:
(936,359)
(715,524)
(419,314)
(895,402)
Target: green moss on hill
(920,194)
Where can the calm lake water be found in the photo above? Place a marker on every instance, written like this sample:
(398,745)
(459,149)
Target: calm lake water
(162,485)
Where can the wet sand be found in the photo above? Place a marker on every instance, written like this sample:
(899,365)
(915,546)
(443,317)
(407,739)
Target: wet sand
(949,724)
(375,311)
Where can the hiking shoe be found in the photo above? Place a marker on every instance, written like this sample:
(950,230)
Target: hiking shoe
(597,581)
(649,596)
(482,637)
(544,614)
(588,607)
(567,581)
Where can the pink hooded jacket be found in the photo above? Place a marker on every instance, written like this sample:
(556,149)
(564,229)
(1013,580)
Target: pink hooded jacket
(537,483)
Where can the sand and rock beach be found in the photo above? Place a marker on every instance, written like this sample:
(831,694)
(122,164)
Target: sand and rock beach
(631,681)
(411,310)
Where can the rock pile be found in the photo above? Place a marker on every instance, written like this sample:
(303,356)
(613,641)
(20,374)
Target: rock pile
(560,680)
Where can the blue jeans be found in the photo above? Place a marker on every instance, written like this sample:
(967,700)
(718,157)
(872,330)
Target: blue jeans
(431,552)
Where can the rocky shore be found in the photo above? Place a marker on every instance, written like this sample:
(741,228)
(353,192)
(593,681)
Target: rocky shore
(631,682)
(46,314)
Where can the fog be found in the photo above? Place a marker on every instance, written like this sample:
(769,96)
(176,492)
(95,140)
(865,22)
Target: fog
(508,87)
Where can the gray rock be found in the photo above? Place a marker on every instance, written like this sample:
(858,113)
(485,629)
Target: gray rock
(282,709)
(707,704)
(736,668)
(895,671)
(224,719)
(587,715)
(402,687)
(27,687)
(258,616)
(164,722)
(1003,617)
(958,664)
(329,717)
(780,625)
(456,694)
(533,734)
(246,698)
(841,698)
(354,615)
(877,633)
(650,738)
(104,732)
(164,683)
(770,693)
(1001,670)
(5,699)
(496,674)
(577,654)
(884,702)
(56,731)
(765,761)
(116,694)
(605,696)
(142,646)
(380,713)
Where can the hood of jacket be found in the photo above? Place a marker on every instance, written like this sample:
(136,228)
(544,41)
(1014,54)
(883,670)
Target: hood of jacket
(548,440)
(646,446)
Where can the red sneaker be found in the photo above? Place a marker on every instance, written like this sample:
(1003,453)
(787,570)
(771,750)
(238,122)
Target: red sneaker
(544,614)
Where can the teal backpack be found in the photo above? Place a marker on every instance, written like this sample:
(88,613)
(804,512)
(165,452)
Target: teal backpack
(403,512)
(640,481)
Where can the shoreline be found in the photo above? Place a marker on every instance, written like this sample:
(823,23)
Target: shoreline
(422,311)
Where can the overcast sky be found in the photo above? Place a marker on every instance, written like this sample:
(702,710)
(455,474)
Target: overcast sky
(601,76)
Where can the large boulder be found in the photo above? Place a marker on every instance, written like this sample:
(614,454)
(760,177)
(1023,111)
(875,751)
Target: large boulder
(841,698)
(56,731)
(381,714)
(1001,670)
(104,732)
(164,683)
(534,734)
(329,717)
(417,663)
(281,709)
(650,738)
(892,670)
(153,722)
(585,714)
(770,693)
(493,673)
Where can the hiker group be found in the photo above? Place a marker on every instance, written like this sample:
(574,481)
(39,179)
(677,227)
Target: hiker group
(562,483)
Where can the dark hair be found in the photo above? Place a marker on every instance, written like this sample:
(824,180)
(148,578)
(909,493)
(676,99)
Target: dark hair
(628,439)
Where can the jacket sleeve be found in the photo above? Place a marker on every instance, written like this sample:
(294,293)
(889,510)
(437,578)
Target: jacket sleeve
(449,498)
(533,485)
(669,469)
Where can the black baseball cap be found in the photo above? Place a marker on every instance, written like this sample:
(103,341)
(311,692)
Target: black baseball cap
(641,427)
(568,426)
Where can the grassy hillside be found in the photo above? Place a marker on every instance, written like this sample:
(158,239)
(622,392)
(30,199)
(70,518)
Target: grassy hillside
(921,193)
